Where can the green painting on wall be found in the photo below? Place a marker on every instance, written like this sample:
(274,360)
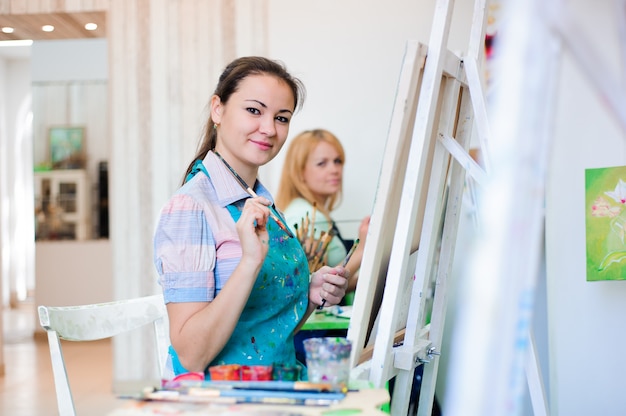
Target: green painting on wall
(605,218)
(67,147)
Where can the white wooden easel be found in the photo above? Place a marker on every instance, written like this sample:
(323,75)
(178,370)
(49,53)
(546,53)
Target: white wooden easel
(439,100)
(431,121)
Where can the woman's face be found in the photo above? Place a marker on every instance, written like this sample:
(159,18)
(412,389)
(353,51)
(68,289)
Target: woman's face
(254,123)
(323,171)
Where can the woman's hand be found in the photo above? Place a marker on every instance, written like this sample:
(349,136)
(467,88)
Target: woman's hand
(328,283)
(365,225)
(252,231)
(354,264)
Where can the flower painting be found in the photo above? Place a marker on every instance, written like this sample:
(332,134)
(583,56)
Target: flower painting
(606,223)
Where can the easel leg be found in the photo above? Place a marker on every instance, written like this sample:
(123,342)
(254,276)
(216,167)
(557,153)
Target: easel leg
(535,382)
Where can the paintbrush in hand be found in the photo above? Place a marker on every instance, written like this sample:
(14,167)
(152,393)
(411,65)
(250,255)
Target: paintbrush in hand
(253,194)
(343,264)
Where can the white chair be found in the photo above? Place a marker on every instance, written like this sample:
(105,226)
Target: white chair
(99,321)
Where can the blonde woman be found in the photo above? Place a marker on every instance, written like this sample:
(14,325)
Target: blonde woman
(313,174)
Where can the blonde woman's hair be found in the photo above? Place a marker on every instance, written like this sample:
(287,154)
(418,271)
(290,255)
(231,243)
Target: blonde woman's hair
(292,184)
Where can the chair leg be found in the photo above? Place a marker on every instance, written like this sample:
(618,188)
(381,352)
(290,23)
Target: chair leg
(65,401)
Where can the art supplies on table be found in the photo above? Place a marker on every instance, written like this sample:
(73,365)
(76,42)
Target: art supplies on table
(337,310)
(234,392)
(362,398)
(328,361)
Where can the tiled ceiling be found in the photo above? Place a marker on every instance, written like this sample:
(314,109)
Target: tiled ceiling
(66,26)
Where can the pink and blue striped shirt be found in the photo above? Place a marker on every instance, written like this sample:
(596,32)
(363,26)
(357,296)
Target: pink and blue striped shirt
(196,246)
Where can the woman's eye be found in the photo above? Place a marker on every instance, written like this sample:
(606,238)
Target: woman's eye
(338,162)
(282,119)
(253,110)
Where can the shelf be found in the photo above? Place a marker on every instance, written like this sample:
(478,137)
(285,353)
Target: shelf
(62,209)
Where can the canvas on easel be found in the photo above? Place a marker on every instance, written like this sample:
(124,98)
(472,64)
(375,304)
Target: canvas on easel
(383,218)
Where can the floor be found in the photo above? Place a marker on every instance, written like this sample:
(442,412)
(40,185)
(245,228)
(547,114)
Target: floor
(27,388)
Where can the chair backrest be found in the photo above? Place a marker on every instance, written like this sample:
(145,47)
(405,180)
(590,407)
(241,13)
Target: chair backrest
(99,321)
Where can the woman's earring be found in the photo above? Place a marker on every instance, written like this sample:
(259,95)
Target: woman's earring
(214,126)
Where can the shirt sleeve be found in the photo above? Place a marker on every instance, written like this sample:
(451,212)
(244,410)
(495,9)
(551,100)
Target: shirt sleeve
(184,252)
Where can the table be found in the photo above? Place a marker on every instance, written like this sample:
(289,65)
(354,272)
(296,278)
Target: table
(364,401)
(325,319)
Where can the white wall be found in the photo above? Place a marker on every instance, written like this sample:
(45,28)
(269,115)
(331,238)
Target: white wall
(70,60)
(17,272)
(587,340)
(15,266)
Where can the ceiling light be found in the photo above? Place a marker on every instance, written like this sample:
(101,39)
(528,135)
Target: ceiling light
(47,28)
(91,26)
(7,29)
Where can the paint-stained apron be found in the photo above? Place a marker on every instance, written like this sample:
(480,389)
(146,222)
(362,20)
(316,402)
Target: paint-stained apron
(277,303)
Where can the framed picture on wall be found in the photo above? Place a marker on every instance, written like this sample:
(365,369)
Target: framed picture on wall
(67,149)
(605,195)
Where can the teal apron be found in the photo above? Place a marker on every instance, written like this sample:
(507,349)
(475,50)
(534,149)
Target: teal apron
(276,305)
